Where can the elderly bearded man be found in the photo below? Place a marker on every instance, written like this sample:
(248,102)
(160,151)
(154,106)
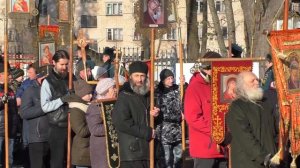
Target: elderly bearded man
(251,124)
(131,118)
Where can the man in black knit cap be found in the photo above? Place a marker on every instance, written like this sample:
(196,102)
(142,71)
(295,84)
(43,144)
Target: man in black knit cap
(131,118)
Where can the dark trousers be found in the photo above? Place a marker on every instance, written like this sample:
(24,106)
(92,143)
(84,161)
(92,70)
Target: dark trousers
(58,146)
(135,164)
(210,163)
(39,154)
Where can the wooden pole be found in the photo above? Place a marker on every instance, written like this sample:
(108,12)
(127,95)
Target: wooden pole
(286,15)
(152,95)
(6,88)
(70,84)
(181,86)
(116,73)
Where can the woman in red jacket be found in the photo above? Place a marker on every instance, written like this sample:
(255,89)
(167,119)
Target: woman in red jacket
(197,110)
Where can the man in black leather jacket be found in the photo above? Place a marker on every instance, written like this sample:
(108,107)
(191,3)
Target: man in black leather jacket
(54,102)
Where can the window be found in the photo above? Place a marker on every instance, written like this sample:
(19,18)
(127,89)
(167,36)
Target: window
(88,21)
(114,8)
(137,36)
(225,32)
(171,35)
(199,6)
(87,1)
(200,32)
(114,34)
(94,45)
(220,7)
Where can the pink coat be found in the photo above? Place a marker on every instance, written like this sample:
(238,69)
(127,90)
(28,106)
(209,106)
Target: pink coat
(197,111)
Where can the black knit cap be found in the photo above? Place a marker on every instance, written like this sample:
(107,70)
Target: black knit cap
(138,66)
(269,58)
(165,73)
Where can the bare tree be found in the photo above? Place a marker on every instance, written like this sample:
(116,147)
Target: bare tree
(217,27)
(258,17)
(230,20)
(192,30)
(204,28)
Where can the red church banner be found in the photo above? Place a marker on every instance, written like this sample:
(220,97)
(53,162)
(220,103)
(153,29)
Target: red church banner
(223,91)
(285,47)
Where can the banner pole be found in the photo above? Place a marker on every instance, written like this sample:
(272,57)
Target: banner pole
(6,86)
(181,87)
(70,84)
(286,15)
(152,95)
(116,73)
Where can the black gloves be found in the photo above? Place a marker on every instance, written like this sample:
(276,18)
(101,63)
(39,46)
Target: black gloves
(68,97)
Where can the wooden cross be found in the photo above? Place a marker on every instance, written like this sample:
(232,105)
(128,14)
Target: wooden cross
(82,42)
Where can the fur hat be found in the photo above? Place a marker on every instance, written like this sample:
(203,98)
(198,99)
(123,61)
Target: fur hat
(236,50)
(110,52)
(165,73)
(15,73)
(82,88)
(103,85)
(138,66)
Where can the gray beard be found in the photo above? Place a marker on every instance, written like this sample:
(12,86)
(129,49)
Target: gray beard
(254,94)
(140,90)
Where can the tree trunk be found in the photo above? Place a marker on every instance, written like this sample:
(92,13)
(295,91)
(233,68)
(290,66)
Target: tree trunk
(258,18)
(230,20)
(192,30)
(204,29)
(218,30)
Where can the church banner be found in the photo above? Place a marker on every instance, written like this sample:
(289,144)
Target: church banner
(285,47)
(112,144)
(224,75)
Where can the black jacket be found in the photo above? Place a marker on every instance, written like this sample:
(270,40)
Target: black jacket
(31,110)
(12,113)
(59,88)
(131,119)
(252,129)
(168,122)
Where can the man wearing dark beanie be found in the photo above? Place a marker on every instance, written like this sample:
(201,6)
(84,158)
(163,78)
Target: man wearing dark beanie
(131,118)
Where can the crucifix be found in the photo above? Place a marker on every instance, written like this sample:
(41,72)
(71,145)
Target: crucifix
(82,42)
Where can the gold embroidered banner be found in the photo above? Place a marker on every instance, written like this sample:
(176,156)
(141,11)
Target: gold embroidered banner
(112,144)
(286,56)
(223,91)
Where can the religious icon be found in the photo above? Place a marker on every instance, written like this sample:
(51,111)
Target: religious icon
(228,84)
(293,78)
(46,51)
(154,13)
(21,6)
(64,11)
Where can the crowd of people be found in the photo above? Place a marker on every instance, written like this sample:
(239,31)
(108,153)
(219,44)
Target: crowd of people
(43,101)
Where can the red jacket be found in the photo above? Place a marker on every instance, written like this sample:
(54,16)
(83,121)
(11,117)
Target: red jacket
(197,111)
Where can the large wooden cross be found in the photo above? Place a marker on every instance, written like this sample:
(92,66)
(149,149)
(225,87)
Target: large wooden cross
(116,73)
(82,42)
